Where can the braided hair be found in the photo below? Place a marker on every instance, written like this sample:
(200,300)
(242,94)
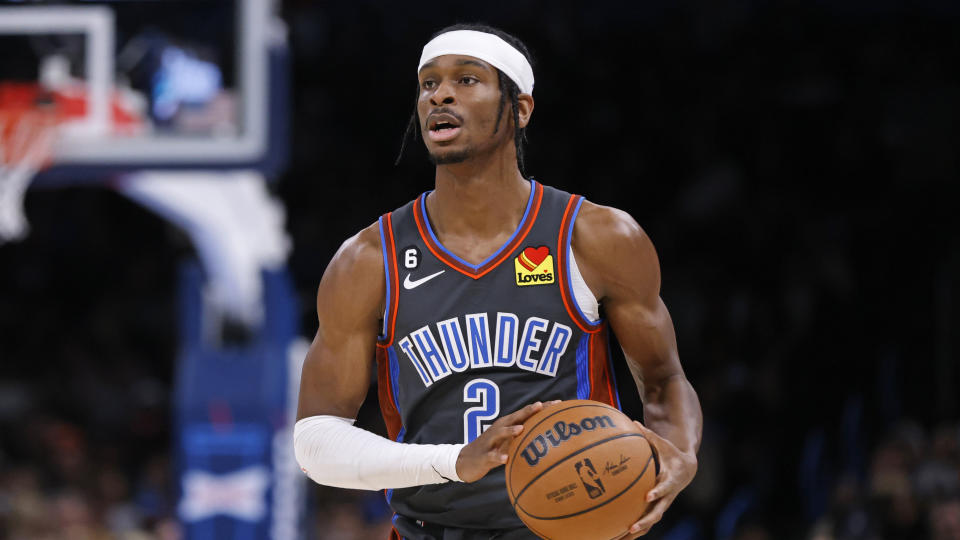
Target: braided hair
(509,91)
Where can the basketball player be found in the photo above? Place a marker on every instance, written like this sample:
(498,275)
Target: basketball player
(481,301)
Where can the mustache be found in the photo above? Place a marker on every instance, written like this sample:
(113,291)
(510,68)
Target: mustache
(442,110)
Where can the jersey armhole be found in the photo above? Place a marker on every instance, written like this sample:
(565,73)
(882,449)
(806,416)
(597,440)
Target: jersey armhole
(568,284)
(389,250)
(583,297)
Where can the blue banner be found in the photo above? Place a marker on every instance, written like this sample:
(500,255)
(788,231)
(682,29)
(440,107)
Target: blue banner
(235,401)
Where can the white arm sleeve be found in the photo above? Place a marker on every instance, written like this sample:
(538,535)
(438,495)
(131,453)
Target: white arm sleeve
(331,451)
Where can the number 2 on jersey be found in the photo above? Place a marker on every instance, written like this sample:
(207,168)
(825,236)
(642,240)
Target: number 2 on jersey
(487,394)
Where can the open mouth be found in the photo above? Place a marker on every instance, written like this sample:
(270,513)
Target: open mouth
(442,127)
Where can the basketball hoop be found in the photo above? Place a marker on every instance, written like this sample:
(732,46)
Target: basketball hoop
(28,122)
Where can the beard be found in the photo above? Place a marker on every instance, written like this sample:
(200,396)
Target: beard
(450,158)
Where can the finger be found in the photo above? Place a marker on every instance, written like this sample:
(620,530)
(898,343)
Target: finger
(666,481)
(496,457)
(649,434)
(521,415)
(505,443)
(498,436)
(626,536)
(650,518)
(666,484)
(656,444)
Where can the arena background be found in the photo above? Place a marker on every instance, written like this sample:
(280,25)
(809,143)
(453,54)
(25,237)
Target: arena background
(795,164)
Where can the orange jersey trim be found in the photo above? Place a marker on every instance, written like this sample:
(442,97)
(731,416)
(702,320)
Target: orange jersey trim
(600,369)
(390,257)
(388,409)
(563,242)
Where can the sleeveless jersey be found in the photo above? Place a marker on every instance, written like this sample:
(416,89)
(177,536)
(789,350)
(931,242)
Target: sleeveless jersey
(464,344)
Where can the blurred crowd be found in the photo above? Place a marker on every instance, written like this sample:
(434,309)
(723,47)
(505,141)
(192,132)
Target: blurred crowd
(911,489)
(86,342)
(348,515)
(70,495)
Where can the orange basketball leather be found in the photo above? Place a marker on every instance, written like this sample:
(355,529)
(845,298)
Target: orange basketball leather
(580,470)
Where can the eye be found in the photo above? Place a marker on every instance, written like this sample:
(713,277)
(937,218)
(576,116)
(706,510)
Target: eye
(428,84)
(468,79)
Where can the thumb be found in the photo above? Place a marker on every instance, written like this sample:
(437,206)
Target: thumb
(647,432)
(655,441)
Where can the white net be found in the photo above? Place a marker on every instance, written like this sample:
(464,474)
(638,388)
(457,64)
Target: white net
(26,143)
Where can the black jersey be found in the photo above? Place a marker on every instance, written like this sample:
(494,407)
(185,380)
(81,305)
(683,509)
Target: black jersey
(463,344)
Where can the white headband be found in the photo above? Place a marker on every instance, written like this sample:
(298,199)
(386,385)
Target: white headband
(487,47)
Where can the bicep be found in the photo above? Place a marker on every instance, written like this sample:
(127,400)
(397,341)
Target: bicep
(622,263)
(336,374)
(337,370)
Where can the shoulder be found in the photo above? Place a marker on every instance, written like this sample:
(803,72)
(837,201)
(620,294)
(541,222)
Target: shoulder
(607,224)
(360,250)
(355,274)
(611,247)
(604,229)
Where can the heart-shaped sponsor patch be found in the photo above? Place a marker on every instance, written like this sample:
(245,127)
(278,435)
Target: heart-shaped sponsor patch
(532,257)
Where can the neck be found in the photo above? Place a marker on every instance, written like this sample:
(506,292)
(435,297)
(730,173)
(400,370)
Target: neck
(479,197)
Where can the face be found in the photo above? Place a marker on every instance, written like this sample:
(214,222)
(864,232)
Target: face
(457,107)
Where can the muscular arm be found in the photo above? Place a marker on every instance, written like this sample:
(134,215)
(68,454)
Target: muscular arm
(620,266)
(335,377)
(350,299)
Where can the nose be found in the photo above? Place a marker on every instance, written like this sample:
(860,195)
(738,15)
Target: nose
(444,94)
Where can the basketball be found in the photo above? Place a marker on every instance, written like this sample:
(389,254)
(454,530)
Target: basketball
(579,470)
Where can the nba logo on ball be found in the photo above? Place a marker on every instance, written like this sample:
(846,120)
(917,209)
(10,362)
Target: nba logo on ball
(589,478)
(580,469)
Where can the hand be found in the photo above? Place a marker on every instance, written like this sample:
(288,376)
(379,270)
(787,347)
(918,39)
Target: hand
(677,470)
(489,450)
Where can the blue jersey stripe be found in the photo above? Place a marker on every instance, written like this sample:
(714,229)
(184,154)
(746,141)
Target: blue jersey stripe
(583,367)
(403,431)
(613,375)
(394,379)
(386,273)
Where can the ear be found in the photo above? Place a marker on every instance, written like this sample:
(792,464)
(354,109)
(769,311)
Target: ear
(524,109)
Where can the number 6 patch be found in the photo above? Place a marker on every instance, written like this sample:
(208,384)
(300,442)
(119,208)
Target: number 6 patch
(411,257)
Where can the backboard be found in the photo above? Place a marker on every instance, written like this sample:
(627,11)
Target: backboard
(153,83)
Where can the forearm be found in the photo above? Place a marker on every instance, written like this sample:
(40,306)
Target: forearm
(331,451)
(672,409)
